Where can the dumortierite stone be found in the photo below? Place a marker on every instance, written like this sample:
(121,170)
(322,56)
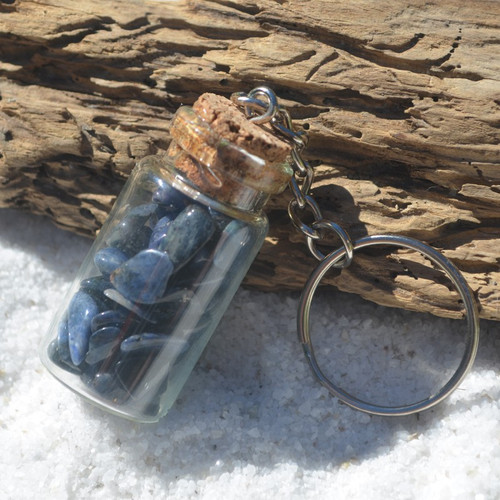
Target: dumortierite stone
(105,384)
(82,309)
(160,231)
(143,342)
(137,310)
(190,230)
(131,235)
(53,352)
(144,277)
(130,368)
(101,344)
(95,287)
(107,318)
(168,307)
(144,211)
(193,272)
(108,259)
(63,340)
(169,196)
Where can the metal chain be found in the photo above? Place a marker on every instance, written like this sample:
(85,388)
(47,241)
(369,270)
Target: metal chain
(261,106)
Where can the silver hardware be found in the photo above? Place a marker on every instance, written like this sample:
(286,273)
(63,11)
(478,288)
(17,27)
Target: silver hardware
(301,226)
(269,111)
(341,233)
(456,278)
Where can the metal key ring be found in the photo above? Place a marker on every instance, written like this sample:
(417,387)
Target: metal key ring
(472,338)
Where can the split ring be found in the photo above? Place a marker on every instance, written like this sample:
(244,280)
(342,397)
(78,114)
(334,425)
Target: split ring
(472,335)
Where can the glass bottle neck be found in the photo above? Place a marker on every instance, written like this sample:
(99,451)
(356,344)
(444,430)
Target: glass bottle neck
(220,169)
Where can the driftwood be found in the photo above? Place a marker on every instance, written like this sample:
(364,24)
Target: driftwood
(400,100)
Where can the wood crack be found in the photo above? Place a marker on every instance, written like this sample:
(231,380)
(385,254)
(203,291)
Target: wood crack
(402,143)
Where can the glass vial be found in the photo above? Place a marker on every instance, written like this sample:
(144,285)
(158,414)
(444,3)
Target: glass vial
(164,267)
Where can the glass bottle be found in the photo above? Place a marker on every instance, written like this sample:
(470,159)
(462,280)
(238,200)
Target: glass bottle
(162,271)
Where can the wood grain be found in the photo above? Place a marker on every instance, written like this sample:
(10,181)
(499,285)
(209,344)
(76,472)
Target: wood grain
(401,101)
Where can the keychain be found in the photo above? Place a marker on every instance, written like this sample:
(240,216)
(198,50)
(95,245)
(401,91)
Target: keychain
(178,243)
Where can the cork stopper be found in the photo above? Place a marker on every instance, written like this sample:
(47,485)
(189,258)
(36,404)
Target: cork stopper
(227,120)
(225,155)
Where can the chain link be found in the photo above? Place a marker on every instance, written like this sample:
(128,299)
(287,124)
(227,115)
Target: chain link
(261,106)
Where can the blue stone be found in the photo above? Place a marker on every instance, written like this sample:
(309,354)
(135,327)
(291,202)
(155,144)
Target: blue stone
(145,342)
(190,230)
(63,340)
(107,318)
(131,368)
(192,273)
(95,287)
(169,196)
(131,235)
(103,383)
(160,231)
(144,277)
(144,211)
(137,310)
(102,344)
(106,384)
(54,355)
(82,309)
(149,344)
(166,309)
(108,259)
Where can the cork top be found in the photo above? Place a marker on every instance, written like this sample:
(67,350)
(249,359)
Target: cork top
(227,120)
(225,155)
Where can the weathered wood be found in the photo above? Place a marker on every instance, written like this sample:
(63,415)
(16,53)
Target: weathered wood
(400,99)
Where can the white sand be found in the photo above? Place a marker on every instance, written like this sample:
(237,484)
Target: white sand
(251,422)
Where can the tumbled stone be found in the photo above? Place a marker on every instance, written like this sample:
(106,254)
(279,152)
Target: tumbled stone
(108,259)
(107,318)
(167,195)
(166,309)
(145,211)
(102,343)
(143,342)
(151,343)
(105,384)
(130,235)
(131,368)
(82,309)
(63,340)
(54,355)
(144,277)
(95,287)
(140,310)
(190,275)
(190,230)
(160,231)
